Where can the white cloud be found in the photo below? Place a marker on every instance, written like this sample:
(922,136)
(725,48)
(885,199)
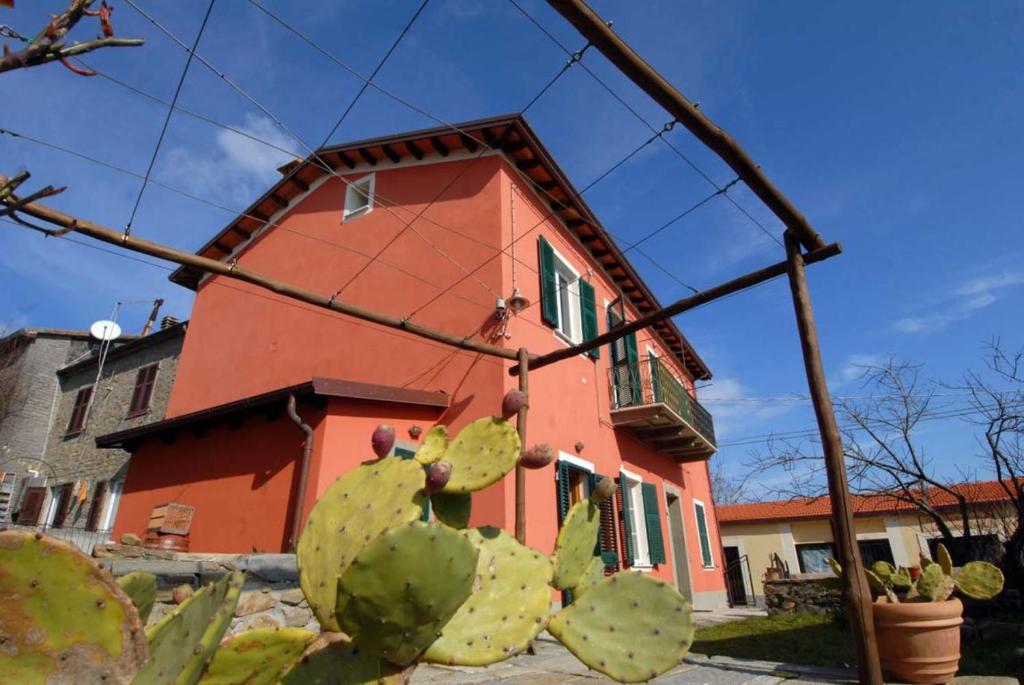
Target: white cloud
(974,294)
(733,406)
(853,368)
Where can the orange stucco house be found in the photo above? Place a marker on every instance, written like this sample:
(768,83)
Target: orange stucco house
(454,225)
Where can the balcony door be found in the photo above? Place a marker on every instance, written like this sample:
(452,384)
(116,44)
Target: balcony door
(626,388)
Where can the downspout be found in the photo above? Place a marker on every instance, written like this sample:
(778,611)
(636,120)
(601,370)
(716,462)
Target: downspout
(307,448)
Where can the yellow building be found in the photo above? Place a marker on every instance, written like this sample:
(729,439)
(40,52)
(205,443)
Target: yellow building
(798,532)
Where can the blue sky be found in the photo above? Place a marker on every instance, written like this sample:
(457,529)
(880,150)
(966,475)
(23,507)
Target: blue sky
(893,126)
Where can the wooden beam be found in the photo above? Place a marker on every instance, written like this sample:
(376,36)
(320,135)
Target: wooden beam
(524,387)
(469,142)
(346,160)
(514,146)
(391,154)
(858,595)
(257,215)
(287,290)
(300,184)
(619,53)
(226,249)
(280,201)
(367,157)
(237,230)
(413,149)
(527,164)
(678,307)
(546,185)
(439,145)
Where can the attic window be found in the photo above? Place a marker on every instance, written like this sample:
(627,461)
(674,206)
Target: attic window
(358,198)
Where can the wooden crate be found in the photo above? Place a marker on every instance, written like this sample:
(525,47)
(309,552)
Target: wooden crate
(171,518)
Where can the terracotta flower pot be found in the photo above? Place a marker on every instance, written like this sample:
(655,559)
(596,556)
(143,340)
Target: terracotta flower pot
(919,642)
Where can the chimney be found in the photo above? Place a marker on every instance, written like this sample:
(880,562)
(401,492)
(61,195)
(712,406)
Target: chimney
(167,322)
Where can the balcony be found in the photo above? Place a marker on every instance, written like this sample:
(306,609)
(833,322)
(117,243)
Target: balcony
(647,399)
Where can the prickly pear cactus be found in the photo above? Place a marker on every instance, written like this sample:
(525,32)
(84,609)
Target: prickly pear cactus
(883,569)
(509,606)
(481,454)
(403,587)
(591,577)
(452,509)
(141,587)
(574,546)
(333,660)
(257,657)
(934,585)
(183,642)
(358,507)
(944,560)
(435,443)
(979,580)
(62,618)
(631,627)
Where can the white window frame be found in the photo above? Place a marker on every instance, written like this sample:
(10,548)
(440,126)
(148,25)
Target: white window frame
(570,318)
(366,184)
(632,488)
(113,499)
(707,529)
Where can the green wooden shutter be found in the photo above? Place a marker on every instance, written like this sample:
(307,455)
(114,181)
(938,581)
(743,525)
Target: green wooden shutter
(633,361)
(548,286)
(562,500)
(702,533)
(607,543)
(588,308)
(403,453)
(626,511)
(653,520)
(654,366)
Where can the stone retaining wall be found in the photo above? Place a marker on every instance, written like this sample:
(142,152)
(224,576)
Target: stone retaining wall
(803,595)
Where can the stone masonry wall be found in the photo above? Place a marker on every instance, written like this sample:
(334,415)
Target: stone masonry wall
(811,595)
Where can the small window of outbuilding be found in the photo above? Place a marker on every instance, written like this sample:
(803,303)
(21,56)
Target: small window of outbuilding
(358,198)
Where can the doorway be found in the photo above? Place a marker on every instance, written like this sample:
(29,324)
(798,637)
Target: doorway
(735,583)
(677,536)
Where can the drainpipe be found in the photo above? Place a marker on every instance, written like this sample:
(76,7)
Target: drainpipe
(307,448)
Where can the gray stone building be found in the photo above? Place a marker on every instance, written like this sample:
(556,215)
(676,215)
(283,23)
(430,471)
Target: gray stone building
(74,487)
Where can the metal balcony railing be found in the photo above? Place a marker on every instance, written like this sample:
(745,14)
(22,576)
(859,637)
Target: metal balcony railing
(81,538)
(648,382)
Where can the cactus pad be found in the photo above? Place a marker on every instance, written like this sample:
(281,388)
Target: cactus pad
(435,443)
(359,506)
(979,580)
(944,560)
(183,642)
(452,509)
(934,585)
(333,660)
(574,546)
(63,618)
(591,577)
(481,454)
(257,657)
(141,587)
(403,587)
(883,569)
(901,579)
(509,607)
(631,627)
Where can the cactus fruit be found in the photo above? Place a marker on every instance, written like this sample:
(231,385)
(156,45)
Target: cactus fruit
(382,440)
(591,577)
(603,491)
(513,401)
(256,657)
(537,457)
(574,546)
(452,509)
(631,627)
(403,587)
(481,454)
(438,475)
(63,618)
(979,580)
(944,560)
(508,608)
(184,641)
(435,442)
(141,587)
(355,509)
(934,585)
(332,660)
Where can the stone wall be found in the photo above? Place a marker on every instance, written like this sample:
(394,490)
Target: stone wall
(271,597)
(803,595)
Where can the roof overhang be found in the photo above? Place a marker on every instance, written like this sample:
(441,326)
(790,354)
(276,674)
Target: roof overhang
(272,403)
(521,147)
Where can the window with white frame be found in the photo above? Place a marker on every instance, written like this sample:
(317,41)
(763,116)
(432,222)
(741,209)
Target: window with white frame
(358,198)
(567,282)
(632,490)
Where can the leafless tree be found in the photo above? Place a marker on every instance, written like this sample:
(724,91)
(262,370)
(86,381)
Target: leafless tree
(726,487)
(50,44)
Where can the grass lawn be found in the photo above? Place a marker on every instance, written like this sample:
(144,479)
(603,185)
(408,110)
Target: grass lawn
(819,641)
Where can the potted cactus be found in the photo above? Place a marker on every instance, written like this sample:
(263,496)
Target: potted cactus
(917,619)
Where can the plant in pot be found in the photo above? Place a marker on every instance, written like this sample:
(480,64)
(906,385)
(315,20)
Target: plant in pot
(917,620)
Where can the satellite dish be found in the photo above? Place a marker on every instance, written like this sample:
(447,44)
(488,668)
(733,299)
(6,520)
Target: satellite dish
(105,330)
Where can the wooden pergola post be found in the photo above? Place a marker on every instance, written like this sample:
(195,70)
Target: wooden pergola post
(855,583)
(524,387)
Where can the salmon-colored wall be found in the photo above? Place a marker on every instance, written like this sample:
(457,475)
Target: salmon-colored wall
(242,482)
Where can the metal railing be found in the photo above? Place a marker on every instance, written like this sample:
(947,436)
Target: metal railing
(737,582)
(81,538)
(648,381)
